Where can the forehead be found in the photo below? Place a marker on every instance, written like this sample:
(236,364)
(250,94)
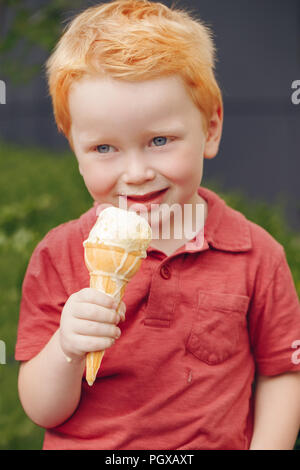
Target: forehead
(105,98)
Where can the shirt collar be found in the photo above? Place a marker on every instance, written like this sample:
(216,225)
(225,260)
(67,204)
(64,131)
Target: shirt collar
(225,228)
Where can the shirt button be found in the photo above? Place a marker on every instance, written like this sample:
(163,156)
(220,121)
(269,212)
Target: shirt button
(165,272)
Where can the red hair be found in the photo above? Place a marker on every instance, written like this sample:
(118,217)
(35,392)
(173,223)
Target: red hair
(134,40)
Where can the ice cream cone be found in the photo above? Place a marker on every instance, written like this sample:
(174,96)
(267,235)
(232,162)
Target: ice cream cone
(112,265)
(110,269)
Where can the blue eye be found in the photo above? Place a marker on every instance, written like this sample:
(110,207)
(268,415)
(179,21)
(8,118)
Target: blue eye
(103,148)
(159,141)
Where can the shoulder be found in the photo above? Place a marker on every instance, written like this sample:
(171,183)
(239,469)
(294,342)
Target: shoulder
(264,244)
(65,238)
(264,263)
(58,259)
(228,229)
(264,247)
(258,251)
(265,256)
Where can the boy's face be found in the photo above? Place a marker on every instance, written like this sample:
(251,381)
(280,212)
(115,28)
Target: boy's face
(136,138)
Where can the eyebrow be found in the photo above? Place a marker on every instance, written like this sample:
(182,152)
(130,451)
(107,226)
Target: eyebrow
(166,130)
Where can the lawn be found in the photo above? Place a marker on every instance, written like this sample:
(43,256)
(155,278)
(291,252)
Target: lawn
(38,191)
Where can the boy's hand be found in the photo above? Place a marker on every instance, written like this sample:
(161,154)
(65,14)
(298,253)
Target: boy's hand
(88,323)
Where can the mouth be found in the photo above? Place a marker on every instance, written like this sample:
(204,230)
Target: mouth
(146,202)
(149,197)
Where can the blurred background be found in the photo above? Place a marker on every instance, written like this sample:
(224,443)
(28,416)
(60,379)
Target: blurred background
(257,169)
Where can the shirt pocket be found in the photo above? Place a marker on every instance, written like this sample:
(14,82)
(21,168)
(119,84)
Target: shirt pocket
(219,326)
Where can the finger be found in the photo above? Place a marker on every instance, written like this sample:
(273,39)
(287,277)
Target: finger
(87,344)
(93,312)
(122,310)
(92,328)
(94,296)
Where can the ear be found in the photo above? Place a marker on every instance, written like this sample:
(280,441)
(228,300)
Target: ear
(214,134)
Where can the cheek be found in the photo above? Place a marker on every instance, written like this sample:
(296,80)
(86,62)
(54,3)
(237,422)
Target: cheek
(187,166)
(98,180)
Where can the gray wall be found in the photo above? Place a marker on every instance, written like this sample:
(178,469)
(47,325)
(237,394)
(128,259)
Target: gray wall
(258,44)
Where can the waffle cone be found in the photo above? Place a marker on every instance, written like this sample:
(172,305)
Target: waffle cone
(110,269)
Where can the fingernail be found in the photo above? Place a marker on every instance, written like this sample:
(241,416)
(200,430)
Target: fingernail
(122,308)
(123,312)
(118,333)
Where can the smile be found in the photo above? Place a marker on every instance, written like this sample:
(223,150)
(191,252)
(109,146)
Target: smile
(149,197)
(146,202)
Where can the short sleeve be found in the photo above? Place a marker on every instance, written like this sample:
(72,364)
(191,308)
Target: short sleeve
(43,298)
(274,324)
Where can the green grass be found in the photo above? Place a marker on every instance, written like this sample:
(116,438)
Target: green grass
(38,191)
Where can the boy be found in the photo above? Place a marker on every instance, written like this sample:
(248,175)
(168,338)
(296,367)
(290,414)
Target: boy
(206,358)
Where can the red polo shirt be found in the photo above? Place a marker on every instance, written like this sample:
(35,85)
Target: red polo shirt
(199,324)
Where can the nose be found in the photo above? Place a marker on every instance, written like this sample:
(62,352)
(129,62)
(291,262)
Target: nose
(138,169)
